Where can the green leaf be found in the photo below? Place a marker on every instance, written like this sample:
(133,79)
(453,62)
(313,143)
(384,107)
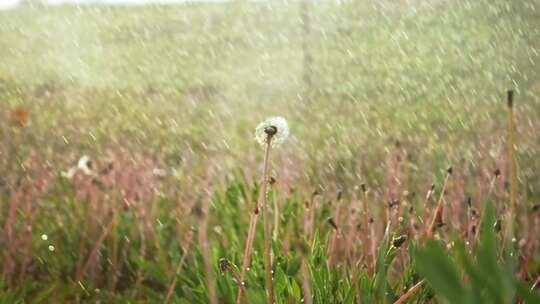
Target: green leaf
(41,296)
(526,294)
(440,272)
(497,283)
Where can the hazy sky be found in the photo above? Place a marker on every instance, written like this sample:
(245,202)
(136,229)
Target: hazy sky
(5,4)
(8,3)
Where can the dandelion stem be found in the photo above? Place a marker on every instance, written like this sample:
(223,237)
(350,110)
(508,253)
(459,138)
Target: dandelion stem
(251,234)
(266,220)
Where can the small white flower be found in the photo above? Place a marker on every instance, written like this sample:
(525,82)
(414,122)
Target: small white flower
(51,248)
(281,131)
(44,237)
(84,165)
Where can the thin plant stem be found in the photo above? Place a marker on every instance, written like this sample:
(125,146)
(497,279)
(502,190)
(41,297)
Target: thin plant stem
(437,216)
(528,251)
(512,210)
(276,219)
(251,235)
(114,245)
(409,293)
(266,222)
(535,284)
(172,286)
(366,235)
(204,245)
(95,250)
(247,251)
(306,288)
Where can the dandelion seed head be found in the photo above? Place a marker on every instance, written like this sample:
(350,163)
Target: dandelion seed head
(44,237)
(275,128)
(51,248)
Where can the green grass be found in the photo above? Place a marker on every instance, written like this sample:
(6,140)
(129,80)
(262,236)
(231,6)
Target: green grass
(200,76)
(401,90)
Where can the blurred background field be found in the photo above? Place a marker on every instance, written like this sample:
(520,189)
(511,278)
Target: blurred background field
(397,91)
(198,77)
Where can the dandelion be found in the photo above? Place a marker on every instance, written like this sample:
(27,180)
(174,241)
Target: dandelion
(44,237)
(85,165)
(273,129)
(270,133)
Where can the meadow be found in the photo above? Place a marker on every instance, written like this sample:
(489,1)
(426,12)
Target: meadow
(130,172)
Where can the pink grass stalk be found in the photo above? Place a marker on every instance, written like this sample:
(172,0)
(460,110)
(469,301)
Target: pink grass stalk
(276,218)
(125,248)
(114,246)
(88,229)
(512,210)
(204,245)
(333,249)
(185,252)
(350,236)
(247,252)
(9,243)
(438,214)
(536,283)
(95,249)
(367,235)
(142,253)
(26,237)
(306,286)
(409,293)
(426,208)
(528,252)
